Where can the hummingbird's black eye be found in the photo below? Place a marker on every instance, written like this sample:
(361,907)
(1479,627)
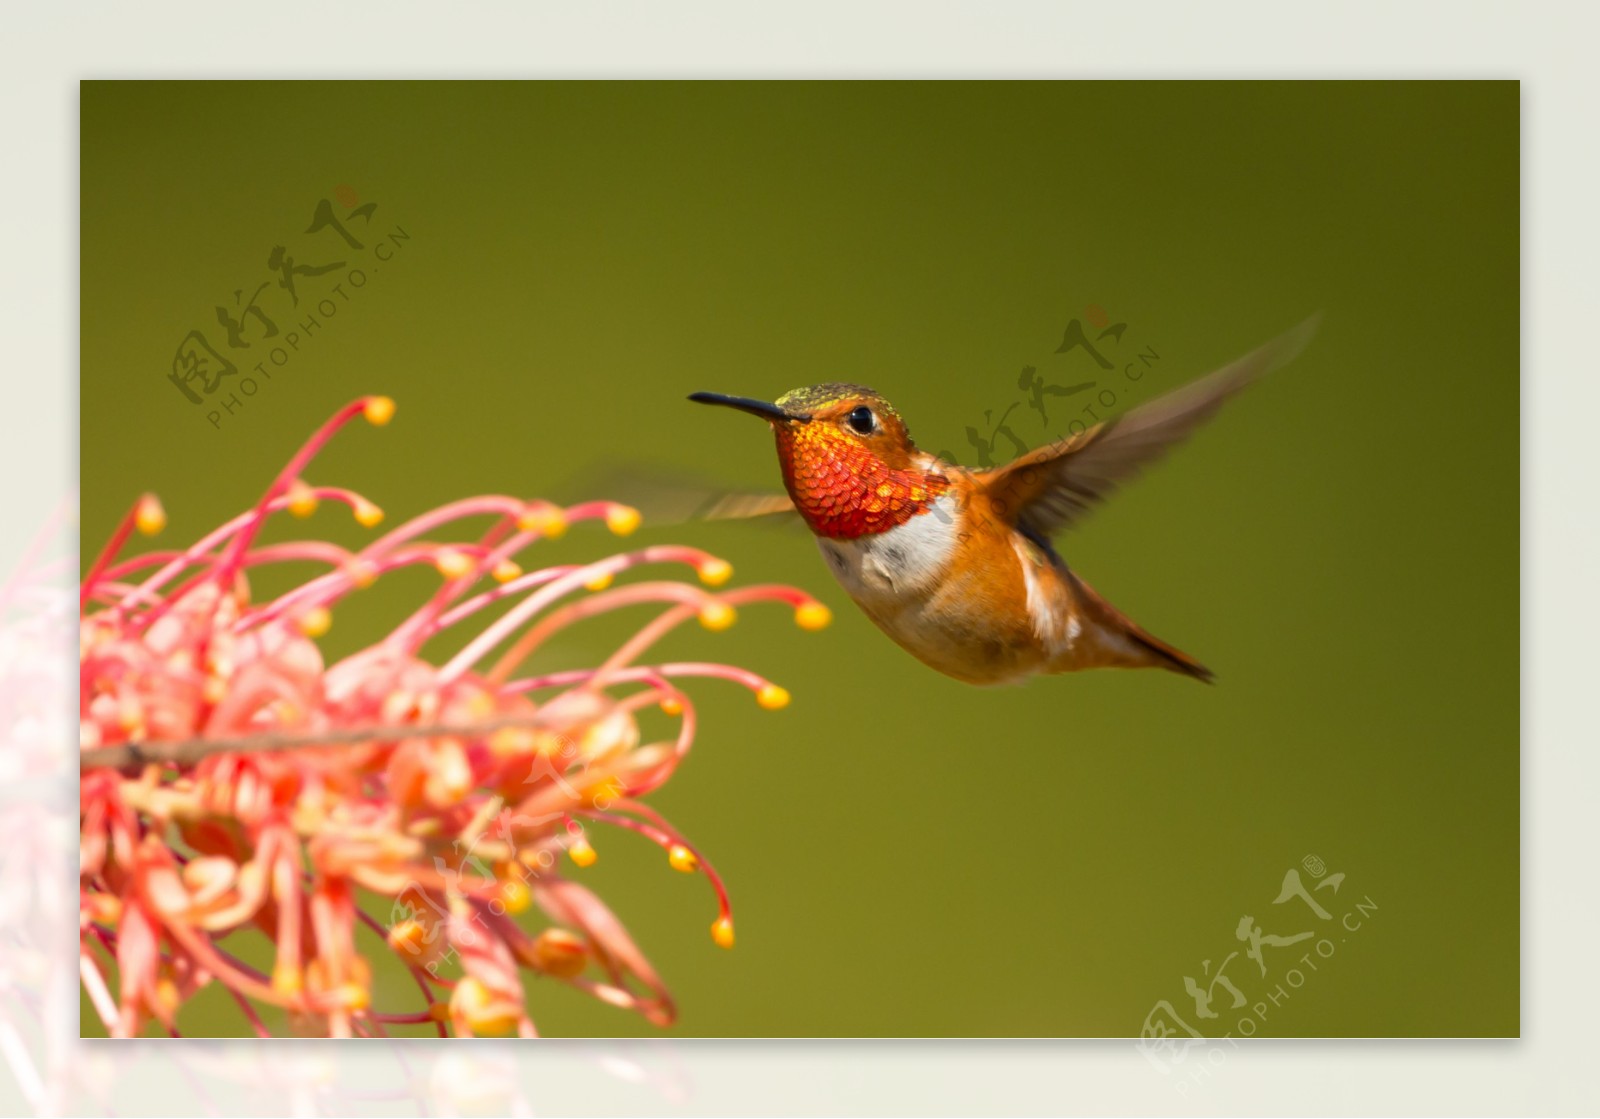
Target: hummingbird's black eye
(862,420)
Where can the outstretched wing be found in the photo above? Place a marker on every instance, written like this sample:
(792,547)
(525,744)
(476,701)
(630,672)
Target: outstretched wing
(667,498)
(1057,485)
(744,506)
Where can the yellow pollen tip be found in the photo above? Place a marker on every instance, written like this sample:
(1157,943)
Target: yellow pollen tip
(150,518)
(773,697)
(582,854)
(560,953)
(506,570)
(546,520)
(367,514)
(131,716)
(715,572)
(682,858)
(363,573)
(515,895)
(105,908)
(166,995)
(287,980)
(315,621)
(454,565)
(378,410)
(812,616)
(672,705)
(604,793)
(408,937)
(717,616)
(511,742)
(302,502)
(622,519)
(475,1004)
(600,582)
(353,996)
(722,932)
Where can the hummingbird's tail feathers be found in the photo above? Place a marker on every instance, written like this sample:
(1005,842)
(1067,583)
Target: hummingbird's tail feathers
(1170,658)
(1120,642)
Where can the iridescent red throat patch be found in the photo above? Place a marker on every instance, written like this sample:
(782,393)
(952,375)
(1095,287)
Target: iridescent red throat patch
(845,491)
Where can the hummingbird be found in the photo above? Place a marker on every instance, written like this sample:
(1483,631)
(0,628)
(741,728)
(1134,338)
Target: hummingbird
(957,565)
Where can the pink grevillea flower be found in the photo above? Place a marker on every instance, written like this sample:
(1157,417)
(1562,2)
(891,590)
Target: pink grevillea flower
(233,781)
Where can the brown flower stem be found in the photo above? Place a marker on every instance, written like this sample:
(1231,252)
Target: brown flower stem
(188,751)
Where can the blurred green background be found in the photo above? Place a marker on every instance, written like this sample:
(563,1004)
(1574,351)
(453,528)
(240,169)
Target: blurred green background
(909,855)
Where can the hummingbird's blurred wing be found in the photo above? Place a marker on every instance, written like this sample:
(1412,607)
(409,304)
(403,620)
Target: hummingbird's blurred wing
(1056,486)
(744,506)
(665,498)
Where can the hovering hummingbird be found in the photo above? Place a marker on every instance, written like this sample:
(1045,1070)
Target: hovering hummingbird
(956,565)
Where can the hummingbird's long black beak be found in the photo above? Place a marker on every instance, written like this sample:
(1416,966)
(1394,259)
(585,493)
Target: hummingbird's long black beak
(745,404)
